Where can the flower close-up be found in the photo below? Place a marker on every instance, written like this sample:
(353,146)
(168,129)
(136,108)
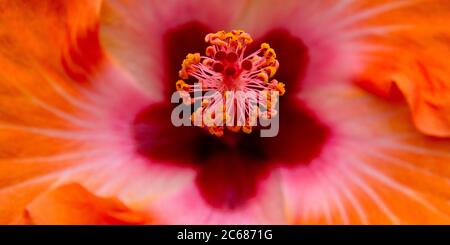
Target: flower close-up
(225,112)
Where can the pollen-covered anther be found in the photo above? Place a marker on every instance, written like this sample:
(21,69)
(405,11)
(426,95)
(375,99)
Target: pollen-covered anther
(215,130)
(277,86)
(182,86)
(262,76)
(226,69)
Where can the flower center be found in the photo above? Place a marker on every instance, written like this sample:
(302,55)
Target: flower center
(230,170)
(232,89)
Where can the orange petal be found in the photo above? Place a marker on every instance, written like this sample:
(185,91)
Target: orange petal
(14,200)
(43,115)
(32,27)
(73,204)
(416,63)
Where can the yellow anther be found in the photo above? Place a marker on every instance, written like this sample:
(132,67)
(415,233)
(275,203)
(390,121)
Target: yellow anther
(218,42)
(263,77)
(270,53)
(234,128)
(281,88)
(247,129)
(193,58)
(230,35)
(271,61)
(246,38)
(209,36)
(217,131)
(234,43)
(237,32)
(213,36)
(270,70)
(216,38)
(182,86)
(221,33)
(265,47)
(186,66)
(183,74)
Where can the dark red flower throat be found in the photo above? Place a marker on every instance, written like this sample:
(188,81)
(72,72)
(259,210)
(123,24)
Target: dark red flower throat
(231,167)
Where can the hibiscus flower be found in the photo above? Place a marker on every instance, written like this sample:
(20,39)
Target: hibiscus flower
(85,119)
